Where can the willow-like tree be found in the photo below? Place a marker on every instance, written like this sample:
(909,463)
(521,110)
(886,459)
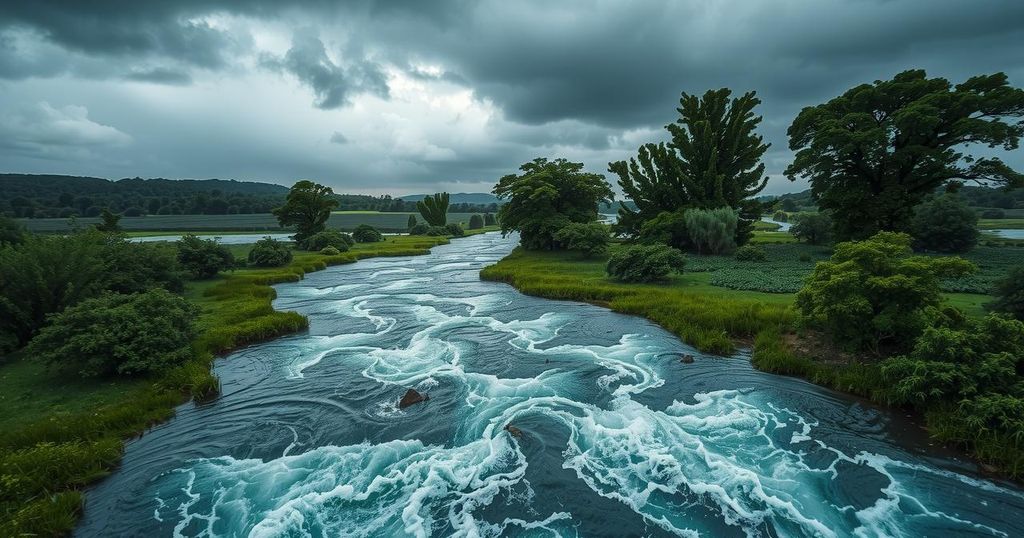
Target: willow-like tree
(875,152)
(307,207)
(713,160)
(434,209)
(548,196)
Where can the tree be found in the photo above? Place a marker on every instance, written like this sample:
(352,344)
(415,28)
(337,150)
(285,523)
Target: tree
(454,229)
(713,160)
(109,222)
(814,228)
(11,233)
(546,197)
(788,205)
(1009,294)
(364,233)
(203,258)
(780,216)
(141,333)
(421,228)
(712,231)
(328,238)
(138,267)
(269,252)
(875,152)
(944,224)
(489,219)
(645,263)
(307,207)
(411,222)
(591,239)
(434,209)
(476,222)
(873,295)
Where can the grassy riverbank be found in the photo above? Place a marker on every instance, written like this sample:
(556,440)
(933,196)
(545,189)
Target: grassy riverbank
(60,433)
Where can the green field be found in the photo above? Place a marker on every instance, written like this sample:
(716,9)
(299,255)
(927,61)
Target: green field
(340,220)
(1001,224)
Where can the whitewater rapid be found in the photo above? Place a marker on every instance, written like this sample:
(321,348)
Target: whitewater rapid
(618,436)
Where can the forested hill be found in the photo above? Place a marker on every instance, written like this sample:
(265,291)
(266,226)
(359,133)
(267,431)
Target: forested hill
(48,196)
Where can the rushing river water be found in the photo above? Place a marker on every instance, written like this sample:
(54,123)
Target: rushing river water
(619,437)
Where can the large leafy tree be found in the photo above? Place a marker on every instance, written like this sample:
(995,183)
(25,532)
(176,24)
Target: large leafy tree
(713,160)
(546,197)
(434,209)
(875,152)
(307,207)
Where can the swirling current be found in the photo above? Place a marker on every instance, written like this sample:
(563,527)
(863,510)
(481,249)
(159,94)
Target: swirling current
(618,436)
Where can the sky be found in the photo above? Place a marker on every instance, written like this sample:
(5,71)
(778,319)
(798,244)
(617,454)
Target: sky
(404,97)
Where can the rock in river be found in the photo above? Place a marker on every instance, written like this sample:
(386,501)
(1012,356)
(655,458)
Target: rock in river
(686,359)
(412,396)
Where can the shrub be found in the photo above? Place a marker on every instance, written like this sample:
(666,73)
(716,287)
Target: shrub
(712,231)
(591,239)
(137,267)
(140,333)
(328,238)
(780,216)
(203,258)
(874,295)
(11,233)
(814,228)
(421,228)
(437,231)
(411,222)
(1009,294)
(645,263)
(269,252)
(330,251)
(993,214)
(476,222)
(667,228)
(751,253)
(364,233)
(944,224)
(489,220)
(454,230)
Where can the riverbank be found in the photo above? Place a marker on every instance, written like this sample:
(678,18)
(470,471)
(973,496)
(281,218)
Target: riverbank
(61,434)
(717,320)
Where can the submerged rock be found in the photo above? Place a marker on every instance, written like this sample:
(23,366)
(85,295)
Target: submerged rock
(412,396)
(686,359)
(516,432)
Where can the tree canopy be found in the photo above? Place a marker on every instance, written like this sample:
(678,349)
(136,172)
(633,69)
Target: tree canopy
(546,197)
(307,207)
(713,160)
(434,209)
(875,152)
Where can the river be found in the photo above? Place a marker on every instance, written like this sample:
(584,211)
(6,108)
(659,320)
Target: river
(618,436)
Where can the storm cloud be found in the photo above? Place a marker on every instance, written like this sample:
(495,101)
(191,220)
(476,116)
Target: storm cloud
(451,94)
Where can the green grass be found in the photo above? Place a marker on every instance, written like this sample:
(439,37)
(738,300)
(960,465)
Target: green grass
(57,434)
(1003,224)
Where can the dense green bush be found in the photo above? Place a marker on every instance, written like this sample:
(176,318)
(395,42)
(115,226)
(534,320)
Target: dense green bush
(645,263)
(203,258)
(476,222)
(591,238)
(873,295)
(751,253)
(11,233)
(667,228)
(814,228)
(330,251)
(364,233)
(1009,293)
(436,231)
(944,224)
(137,267)
(411,222)
(420,228)
(489,220)
(453,229)
(780,216)
(993,214)
(140,333)
(269,252)
(328,238)
(712,231)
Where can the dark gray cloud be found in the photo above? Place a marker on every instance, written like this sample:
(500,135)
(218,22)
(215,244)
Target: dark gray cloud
(338,138)
(161,75)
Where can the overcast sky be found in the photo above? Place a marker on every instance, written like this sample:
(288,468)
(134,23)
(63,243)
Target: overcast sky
(417,96)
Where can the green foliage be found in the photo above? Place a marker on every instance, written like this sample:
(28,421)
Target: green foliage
(645,263)
(437,231)
(109,222)
(364,233)
(944,224)
(814,228)
(783,270)
(993,214)
(137,267)
(589,238)
(874,295)
(788,205)
(141,333)
(476,222)
(489,220)
(269,252)
(993,263)
(434,209)
(1009,294)
(11,233)
(330,251)
(546,197)
(454,229)
(420,228)
(412,222)
(780,216)
(875,152)
(667,228)
(307,208)
(203,258)
(328,238)
(712,231)
(713,160)
(751,253)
